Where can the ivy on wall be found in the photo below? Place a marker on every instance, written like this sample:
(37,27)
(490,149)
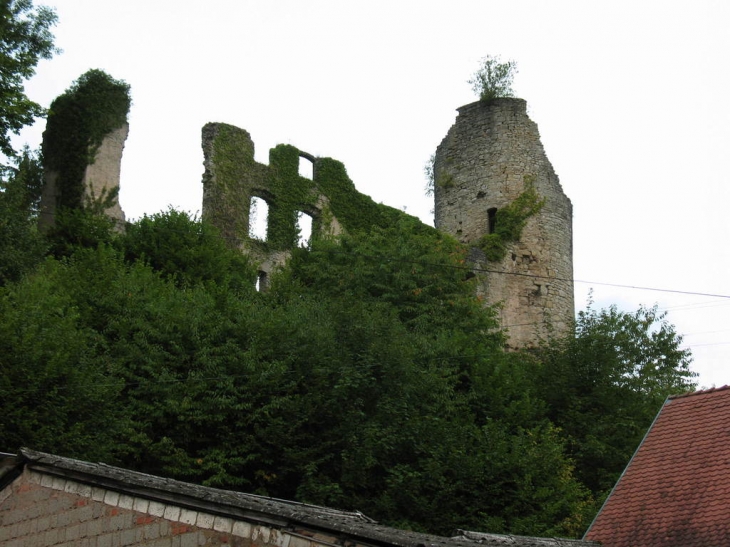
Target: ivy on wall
(235,177)
(509,222)
(78,120)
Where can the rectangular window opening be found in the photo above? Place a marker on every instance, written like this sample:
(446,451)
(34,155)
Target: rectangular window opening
(258,219)
(304,229)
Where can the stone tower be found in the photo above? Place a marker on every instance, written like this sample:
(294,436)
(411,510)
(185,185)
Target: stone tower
(489,157)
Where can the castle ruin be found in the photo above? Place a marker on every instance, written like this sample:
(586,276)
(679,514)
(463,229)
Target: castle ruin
(99,181)
(489,157)
(86,129)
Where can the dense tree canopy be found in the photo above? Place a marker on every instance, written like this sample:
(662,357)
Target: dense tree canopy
(21,246)
(368,377)
(605,385)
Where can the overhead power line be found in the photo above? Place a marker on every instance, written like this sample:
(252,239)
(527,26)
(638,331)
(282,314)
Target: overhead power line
(239,240)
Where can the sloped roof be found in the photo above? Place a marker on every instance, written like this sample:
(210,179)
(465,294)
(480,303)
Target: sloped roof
(239,505)
(676,489)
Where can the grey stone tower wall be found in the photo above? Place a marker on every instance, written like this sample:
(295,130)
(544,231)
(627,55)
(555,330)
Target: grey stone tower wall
(485,161)
(100,179)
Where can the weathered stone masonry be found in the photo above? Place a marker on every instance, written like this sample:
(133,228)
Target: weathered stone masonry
(233,178)
(101,179)
(489,156)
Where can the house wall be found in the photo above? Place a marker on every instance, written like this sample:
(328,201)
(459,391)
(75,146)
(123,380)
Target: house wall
(38,509)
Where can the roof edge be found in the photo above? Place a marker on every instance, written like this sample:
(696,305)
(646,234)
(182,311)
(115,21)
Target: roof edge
(621,476)
(700,392)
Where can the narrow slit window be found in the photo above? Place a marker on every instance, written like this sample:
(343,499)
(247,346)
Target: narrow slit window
(262,281)
(306,168)
(258,219)
(304,229)
(491,220)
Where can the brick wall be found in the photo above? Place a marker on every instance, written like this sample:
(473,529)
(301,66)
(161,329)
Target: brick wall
(43,510)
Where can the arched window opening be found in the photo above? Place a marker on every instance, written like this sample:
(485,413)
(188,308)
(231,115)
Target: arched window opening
(258,219)
(262,281)
(306,168)
(304,229)
(491,220)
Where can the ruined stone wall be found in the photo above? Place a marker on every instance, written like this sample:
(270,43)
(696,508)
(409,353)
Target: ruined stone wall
(233,178)
(487,159)
(100,180)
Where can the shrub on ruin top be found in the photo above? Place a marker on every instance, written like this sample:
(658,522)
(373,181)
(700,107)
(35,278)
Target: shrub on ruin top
(494,78)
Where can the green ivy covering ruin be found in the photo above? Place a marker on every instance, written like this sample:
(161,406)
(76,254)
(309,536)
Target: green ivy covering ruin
(509,222)
(94,106)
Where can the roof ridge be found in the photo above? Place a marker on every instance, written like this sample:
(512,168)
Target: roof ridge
(699,392)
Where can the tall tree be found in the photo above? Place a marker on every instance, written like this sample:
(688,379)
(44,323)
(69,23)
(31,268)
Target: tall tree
(25,39)
(21,246)
(604,385)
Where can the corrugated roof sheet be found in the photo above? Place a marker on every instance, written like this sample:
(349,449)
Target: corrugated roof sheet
(676,489)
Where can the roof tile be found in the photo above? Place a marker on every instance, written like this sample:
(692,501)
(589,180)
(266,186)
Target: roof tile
(676,489)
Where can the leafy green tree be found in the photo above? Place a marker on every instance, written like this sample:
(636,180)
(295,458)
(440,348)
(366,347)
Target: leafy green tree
(82,228)
(494,78)
(25,39)
(604,385)
(56,392)
(21,246)
(187,250)
(453,436)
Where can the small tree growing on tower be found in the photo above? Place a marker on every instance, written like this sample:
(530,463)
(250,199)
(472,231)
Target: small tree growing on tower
(494,78)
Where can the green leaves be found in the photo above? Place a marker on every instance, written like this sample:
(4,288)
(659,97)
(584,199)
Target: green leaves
(604,386)
(187,250)
(25,39)
(493,79)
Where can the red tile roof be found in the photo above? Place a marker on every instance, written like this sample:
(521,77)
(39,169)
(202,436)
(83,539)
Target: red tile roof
(676,489)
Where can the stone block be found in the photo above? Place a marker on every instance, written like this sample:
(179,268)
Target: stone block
(223,524)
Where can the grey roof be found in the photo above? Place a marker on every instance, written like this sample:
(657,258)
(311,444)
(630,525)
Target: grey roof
(263,509)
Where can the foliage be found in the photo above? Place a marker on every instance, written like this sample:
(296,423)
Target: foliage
(428,171)
(25,39)
(509,222)
(493,79)
(604,386)
(187,250)
(57,393)
(75,229)
(78,120)
(445,434)
(21,246)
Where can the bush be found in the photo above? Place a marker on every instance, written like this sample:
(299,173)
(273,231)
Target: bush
(494,79)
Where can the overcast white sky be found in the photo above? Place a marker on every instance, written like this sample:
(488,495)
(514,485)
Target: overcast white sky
(630,98)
